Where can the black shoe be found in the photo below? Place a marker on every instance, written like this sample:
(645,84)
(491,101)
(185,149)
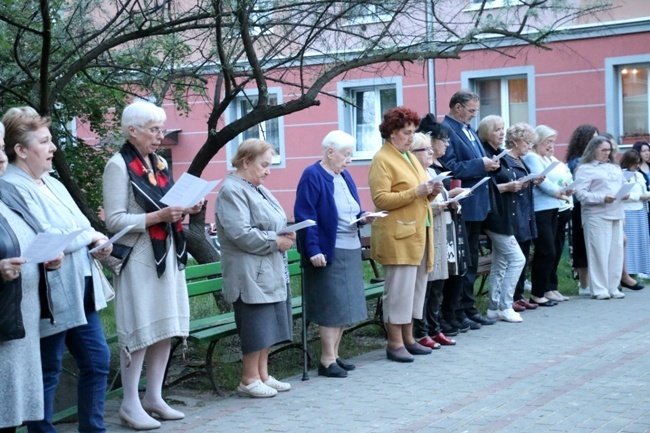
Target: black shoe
(472,324)
(447,329)
(482,320)
(345,365)
(637,286)
(462,327)
(334,370)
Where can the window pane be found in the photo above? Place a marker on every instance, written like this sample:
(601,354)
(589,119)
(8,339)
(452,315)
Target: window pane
(635,100)
(366,131)
(388,100)
(518,100)
(490,93)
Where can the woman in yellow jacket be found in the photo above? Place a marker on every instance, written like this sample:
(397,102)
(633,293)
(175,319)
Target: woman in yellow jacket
(403,240)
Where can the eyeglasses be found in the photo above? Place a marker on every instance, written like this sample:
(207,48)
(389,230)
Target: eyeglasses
(609,149)
(155,130)
(471,110)
(423,149)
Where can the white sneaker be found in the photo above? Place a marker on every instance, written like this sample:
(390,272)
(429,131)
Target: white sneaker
(256,389)
(509,315)
(601,297)
(277,385)
(493,314)
(617,295)
(584,291)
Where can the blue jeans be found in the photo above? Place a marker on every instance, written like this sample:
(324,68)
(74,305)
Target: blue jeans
(87,345)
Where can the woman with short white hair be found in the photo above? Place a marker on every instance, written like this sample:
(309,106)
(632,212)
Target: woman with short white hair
(331,249)
(151,303)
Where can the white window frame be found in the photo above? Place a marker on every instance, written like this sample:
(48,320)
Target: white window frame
(345,118)
(613,90)
(234,113)
(373,16)
(469,78)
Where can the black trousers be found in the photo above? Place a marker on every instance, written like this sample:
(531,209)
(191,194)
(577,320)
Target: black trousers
(544,254)
(519,289)
(450,295)
(430,323)
(563,218)
(466,300)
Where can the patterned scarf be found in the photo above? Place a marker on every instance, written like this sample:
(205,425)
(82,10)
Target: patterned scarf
(149,186)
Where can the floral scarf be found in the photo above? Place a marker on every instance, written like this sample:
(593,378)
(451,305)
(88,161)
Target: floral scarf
(149,186)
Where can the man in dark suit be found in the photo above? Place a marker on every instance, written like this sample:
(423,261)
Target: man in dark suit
(466,159)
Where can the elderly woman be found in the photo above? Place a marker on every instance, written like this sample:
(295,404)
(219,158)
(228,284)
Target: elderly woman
(456,234)
(76,303)
(577,144)
(501,226)
(561,177)
(597,182)
(20,361)
(548,197)
(331,249)
(151,304)
(255,273)
(402,241)
(428,330)
(637,256)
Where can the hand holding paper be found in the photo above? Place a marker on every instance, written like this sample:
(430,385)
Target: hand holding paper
(379,214)
(47,246)
(295,227)
(625,190)
(112,240)
(188,191)
(544,172)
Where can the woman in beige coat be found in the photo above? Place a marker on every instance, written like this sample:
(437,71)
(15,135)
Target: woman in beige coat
(402,241)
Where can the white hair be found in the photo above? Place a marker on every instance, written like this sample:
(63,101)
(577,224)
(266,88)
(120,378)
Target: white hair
(420,139)
(338,140)
(140,113)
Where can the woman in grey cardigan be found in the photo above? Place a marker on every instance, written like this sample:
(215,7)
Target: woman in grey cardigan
(20,362)
(255,274)
(79,294)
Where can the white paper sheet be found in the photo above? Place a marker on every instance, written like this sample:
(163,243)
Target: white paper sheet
(379,214)
(112,240)
(460,196)
(188,191)
(499,156)
(439,178)
(48,246)
(625,189)
(544,172)
(480,182)
(295,227)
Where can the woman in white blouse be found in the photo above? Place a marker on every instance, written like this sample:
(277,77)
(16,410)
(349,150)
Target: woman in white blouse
(598,181)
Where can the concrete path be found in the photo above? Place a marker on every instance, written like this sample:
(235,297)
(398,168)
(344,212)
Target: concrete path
(580,367)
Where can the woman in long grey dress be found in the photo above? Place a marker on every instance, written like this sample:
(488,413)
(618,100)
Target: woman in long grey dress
(331,249)
(255,273)
(20,362)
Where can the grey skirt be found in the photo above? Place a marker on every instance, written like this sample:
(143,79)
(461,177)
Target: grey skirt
(334,294)
(261,326)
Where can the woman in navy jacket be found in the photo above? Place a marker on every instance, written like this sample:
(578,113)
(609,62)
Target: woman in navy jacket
(331,249)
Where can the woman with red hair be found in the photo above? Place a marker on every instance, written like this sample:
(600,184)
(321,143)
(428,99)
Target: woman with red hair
(403,240)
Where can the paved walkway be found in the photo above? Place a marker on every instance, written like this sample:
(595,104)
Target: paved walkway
(580,367)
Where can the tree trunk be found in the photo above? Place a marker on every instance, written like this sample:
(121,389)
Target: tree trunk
(199,244)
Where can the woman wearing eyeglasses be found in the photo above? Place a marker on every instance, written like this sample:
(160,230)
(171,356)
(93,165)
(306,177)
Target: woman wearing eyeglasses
(151,303)
(598,181)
